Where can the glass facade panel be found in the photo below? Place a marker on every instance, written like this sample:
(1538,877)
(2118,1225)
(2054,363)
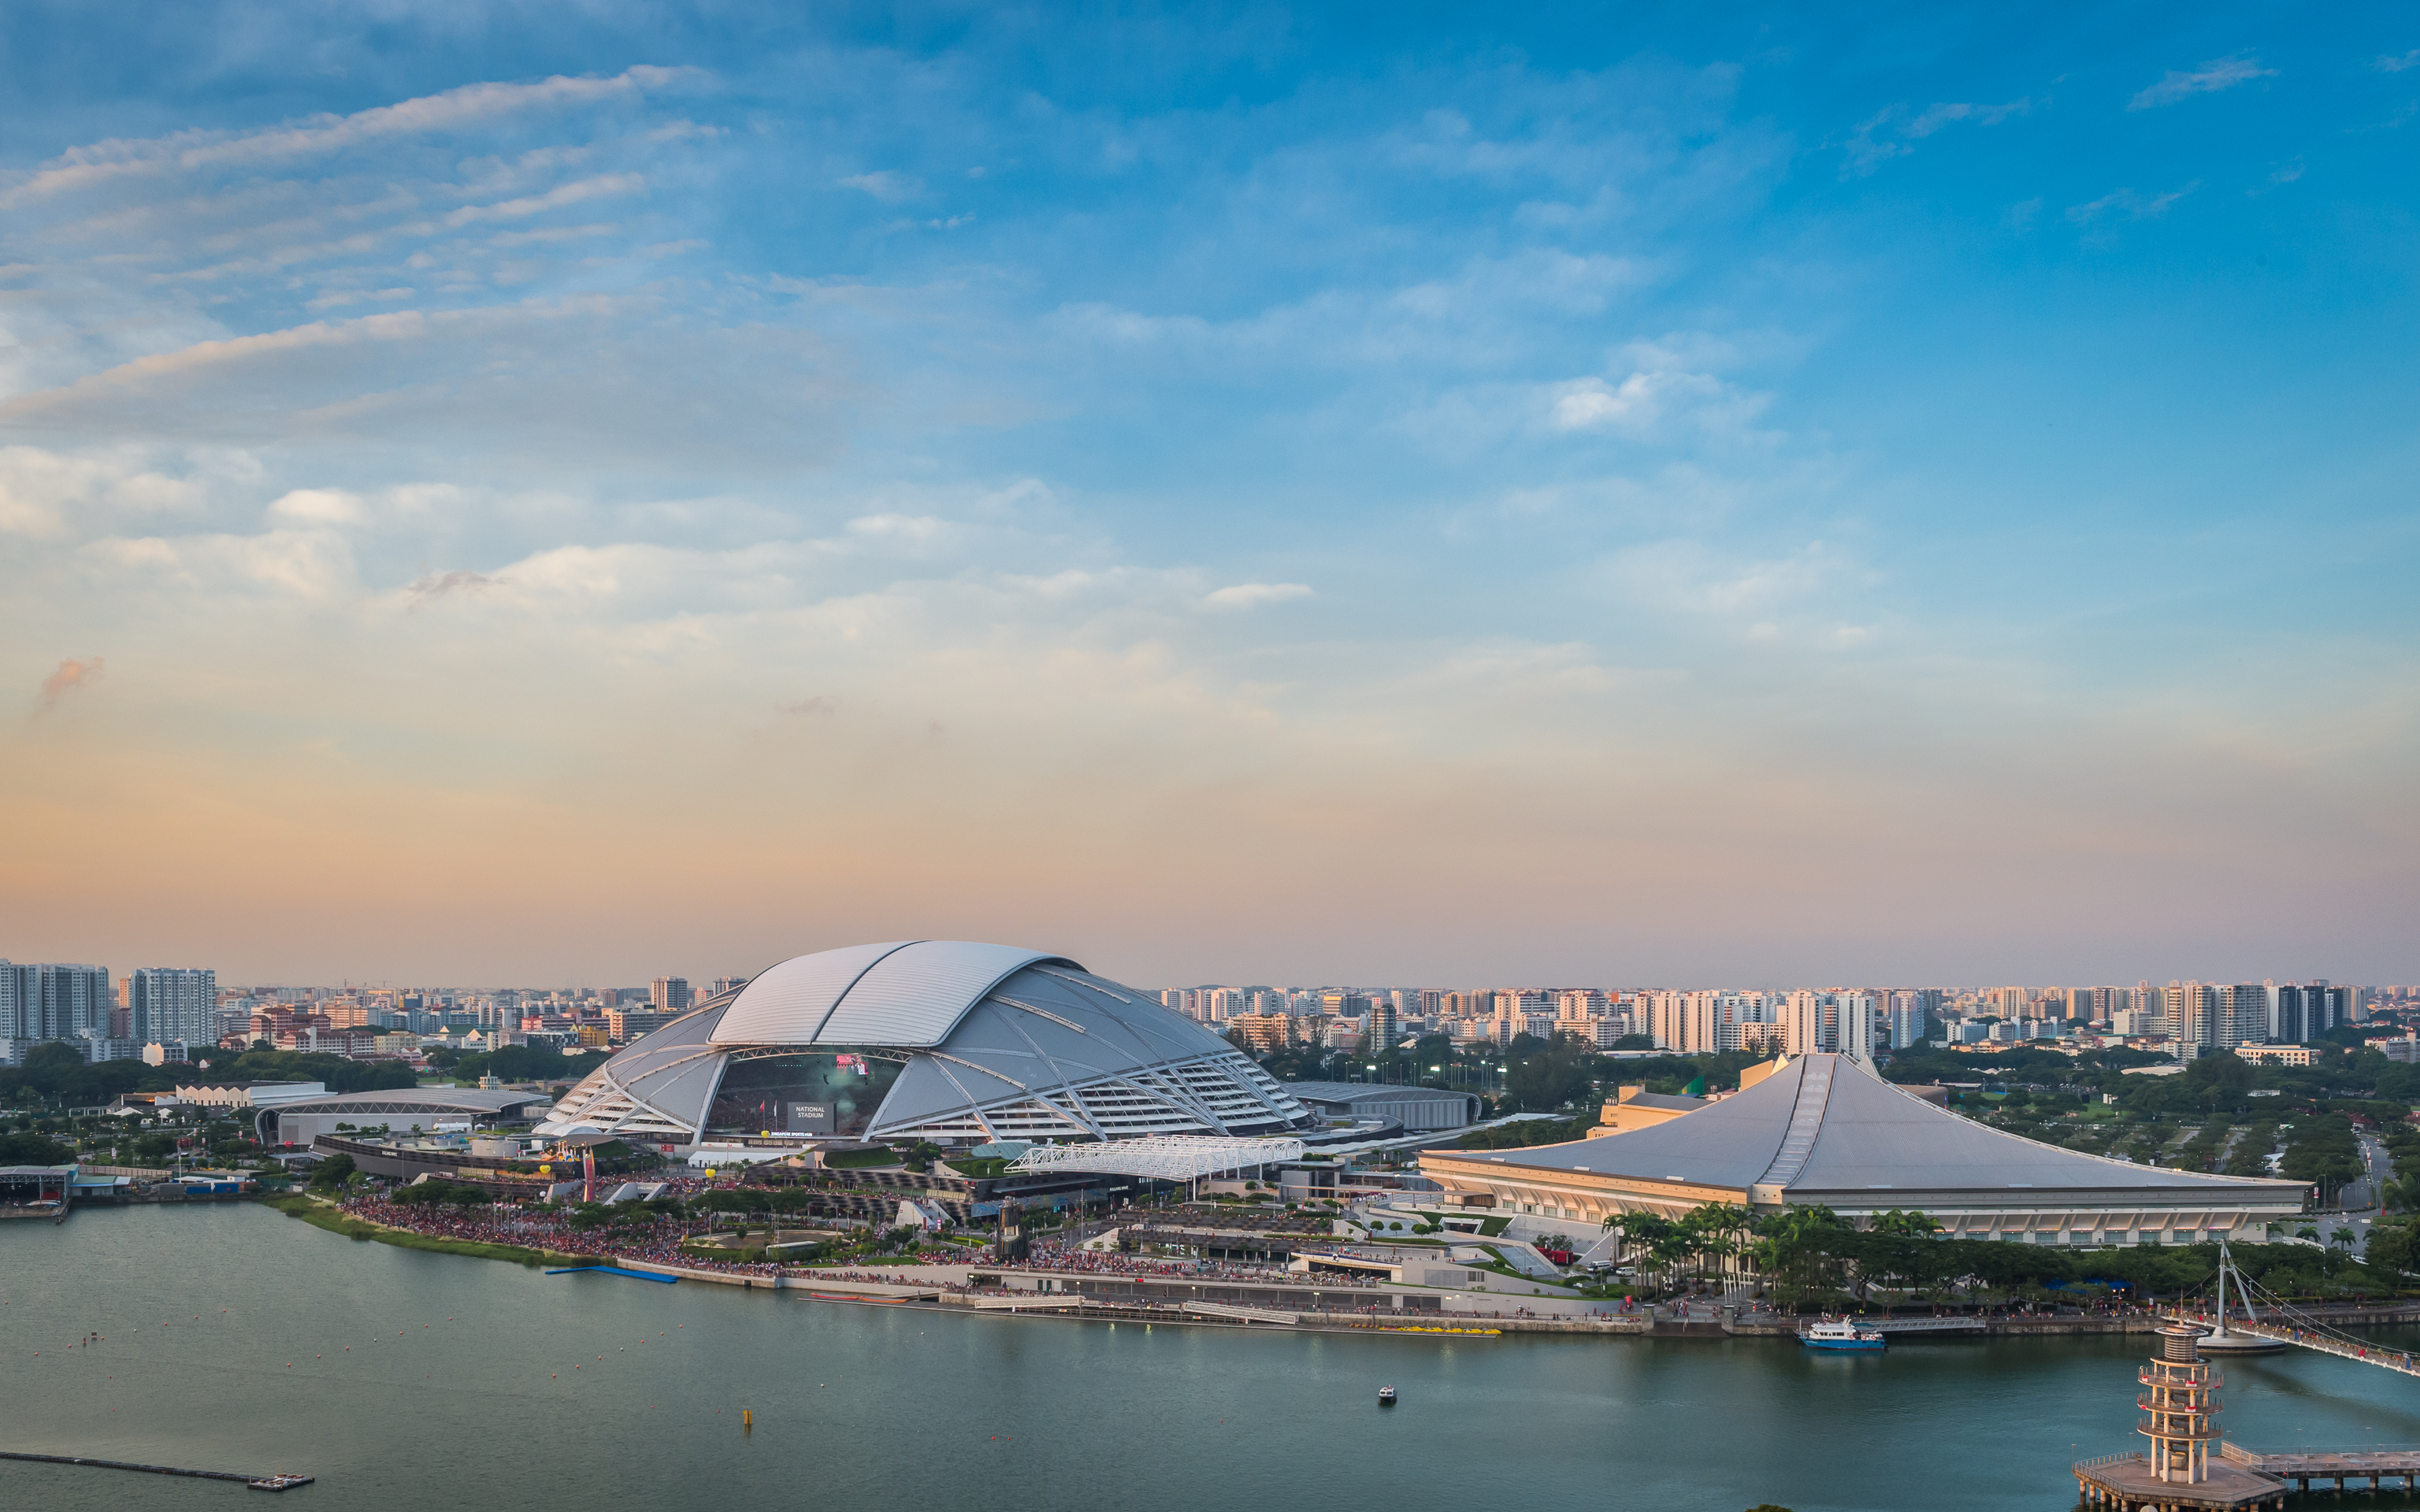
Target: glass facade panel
(826,1093)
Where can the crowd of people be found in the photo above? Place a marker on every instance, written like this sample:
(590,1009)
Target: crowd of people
(659,1242)
(1049,1256)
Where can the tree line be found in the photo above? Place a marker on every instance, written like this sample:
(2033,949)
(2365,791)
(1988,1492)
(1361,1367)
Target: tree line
(1811,1255)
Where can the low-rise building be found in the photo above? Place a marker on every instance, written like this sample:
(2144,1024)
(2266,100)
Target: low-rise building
(1635,1108)
(2278,1054)
(1418,1109)
(245,1094)
(401,1110)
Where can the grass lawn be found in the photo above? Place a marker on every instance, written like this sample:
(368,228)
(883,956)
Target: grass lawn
(321,1214)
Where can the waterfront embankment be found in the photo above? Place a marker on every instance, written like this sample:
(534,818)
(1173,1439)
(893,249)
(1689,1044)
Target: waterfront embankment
(320,1213)
(234,1336)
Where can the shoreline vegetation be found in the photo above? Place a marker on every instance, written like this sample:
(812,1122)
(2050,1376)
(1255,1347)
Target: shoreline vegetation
(322,1214)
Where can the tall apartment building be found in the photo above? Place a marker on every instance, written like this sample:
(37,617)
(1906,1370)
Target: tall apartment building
(670,995)
(1853,1023)
(1910,1024)
(169,1004)
(2246,1019)
(2305,1011)
(2288,1020)
(2181,1013)
(1381,1022)
(54,1002)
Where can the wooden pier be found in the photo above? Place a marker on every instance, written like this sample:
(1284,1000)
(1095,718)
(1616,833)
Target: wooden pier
(280,1481)
(2127,1481)
(2378,1468)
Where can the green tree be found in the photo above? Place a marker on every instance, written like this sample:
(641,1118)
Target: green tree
(2393,1247)
(1803,1251)
(2322,1151)
(26,1147)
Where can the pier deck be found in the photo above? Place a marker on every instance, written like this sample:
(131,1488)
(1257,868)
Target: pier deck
(2369,1468)
(2126,1480)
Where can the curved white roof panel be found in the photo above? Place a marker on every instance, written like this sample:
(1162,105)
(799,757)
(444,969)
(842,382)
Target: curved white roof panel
(907,992)
(787,1004)
(918,993)
(663,1082)
(1052,1036)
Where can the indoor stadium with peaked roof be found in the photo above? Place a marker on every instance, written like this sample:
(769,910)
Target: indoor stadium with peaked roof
(1823,1130)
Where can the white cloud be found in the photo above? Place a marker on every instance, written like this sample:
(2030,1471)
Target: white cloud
(337,298)
(1936,116)
(470,105)
(45,494)
(318,506)
(1881,137)
(2391,63)
(314,565)
(1668,390)
(1796,597)
(885,185)
(1867,148)
(1250,595)
(2211,77)
(2128,203)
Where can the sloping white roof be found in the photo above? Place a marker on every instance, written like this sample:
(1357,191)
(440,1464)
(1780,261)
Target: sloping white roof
(1826,1126)
(1043,1029)
(906,993)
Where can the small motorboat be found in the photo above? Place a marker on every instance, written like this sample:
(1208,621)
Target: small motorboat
(1386,1395)
(1840,1334)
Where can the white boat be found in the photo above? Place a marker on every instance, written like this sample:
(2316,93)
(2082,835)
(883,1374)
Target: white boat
(1840,1334)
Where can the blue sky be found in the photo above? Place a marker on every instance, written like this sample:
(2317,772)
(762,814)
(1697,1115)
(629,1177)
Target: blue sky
(1252,494)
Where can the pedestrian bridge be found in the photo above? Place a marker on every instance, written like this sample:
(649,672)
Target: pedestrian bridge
(2342,1346)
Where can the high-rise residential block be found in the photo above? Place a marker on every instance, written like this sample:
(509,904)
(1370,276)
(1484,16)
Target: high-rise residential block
(2245,1020)
(54,1002)
(172,1005)
(1909,1023)
(670,995)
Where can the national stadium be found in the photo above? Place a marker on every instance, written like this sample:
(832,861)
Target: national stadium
(947,1040)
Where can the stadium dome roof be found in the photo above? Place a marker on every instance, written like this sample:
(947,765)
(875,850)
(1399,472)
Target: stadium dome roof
(1827,1130)
(943,1040)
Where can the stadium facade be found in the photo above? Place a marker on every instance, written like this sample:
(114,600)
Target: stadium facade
(1824,1129)
(947,1040)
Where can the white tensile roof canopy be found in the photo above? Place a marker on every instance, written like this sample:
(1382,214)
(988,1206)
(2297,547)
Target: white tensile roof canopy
(1824,1129)
(1170,1158)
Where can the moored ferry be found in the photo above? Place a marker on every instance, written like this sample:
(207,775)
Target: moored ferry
(1840,1334)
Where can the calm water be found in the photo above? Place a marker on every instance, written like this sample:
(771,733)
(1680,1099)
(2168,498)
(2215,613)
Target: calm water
(460,1391)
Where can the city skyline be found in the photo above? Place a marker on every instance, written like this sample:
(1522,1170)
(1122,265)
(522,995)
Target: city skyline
(1677,498)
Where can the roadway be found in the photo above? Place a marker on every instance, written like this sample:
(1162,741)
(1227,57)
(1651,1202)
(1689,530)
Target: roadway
(2357,1204)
